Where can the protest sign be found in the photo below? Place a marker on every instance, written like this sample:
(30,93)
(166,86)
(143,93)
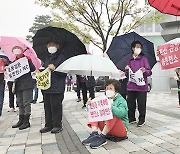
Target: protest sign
(100,109)
(136,77)
(17,69)
(43,79)
(169,55)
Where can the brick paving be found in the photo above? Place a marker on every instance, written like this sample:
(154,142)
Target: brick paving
(160,134)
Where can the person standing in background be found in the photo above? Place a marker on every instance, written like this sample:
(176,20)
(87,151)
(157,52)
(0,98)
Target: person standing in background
(11,97)
(177,78)
(3,62)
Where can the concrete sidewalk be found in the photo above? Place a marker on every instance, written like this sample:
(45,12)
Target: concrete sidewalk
(161,134)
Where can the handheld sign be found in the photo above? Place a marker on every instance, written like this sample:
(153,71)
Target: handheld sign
(43,79)
(17,69)
(169,55)
(136,77)
(100,109)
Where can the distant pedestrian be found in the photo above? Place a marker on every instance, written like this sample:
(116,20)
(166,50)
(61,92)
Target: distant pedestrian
(90,84)
(177,78)
(4,61)
(35,89)
(136,92)
(11,98)
(116,127)
(69,82)
(78,89)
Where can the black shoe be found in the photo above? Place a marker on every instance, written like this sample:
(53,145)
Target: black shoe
(34,101)
(140,123)
(41,102)
(79,99)
(26,123)
(132,121)
(83,106)
(45,129)
(56,130)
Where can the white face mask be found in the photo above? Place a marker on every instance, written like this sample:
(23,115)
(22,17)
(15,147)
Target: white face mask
(17,51)
(137,51)
(52,50)
(110,93)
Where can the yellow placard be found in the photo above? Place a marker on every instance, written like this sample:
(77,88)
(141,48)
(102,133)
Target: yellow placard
(43,79)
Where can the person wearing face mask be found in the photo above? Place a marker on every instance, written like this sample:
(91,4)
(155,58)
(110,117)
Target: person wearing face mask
(114,129)
(23,88)
(54,96)
(136,92)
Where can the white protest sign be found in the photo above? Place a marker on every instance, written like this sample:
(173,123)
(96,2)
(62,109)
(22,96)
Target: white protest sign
(17,69)
(99,109)
(136,77)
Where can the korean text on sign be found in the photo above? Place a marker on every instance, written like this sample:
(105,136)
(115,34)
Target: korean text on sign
(43,79)
(100,109)
(17,69)
(169,55)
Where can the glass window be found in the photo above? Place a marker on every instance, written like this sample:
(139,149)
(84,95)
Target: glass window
(158,28)
(141,29)
(149,27)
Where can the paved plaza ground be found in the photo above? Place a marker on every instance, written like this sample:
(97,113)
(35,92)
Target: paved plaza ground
(160,135)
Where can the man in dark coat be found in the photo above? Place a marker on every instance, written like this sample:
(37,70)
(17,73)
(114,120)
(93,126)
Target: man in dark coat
(54,96)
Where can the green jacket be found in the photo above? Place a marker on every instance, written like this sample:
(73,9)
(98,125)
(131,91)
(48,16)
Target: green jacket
(120,109)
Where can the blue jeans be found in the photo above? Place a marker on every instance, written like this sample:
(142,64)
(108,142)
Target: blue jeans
(2,87)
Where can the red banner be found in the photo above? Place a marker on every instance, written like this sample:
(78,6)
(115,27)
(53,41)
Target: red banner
(169,55)
(2,66)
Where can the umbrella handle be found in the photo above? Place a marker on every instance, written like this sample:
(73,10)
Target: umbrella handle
(26,49)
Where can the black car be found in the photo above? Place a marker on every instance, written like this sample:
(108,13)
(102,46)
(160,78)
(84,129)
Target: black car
(100,82)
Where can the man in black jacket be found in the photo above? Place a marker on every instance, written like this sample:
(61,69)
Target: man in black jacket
(54,96)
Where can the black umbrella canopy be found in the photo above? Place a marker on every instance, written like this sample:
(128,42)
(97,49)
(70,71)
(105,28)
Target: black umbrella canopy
(120,49)
(70,44)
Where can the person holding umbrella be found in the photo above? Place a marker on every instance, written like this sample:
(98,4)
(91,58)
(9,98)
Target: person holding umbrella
(24,91)
(137,92)
(54,95)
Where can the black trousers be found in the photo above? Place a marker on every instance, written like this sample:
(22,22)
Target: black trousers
(11,95)
(53,109)
(141,98)
(84,92)
(91,92)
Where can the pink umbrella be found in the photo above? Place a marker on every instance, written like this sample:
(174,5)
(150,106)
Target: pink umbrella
(7,43)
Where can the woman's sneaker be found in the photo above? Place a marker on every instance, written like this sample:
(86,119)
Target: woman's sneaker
(100,141)
(91,138)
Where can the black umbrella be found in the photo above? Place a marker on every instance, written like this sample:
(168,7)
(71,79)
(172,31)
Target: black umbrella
(120,49)
(70,45)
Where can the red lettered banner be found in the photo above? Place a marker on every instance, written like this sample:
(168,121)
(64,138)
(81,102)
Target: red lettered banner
(100,109)
(169,55)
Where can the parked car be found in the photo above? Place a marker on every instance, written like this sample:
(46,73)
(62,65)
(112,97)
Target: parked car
(100,82)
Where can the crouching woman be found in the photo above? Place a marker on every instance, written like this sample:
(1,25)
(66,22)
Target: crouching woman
(116,127)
